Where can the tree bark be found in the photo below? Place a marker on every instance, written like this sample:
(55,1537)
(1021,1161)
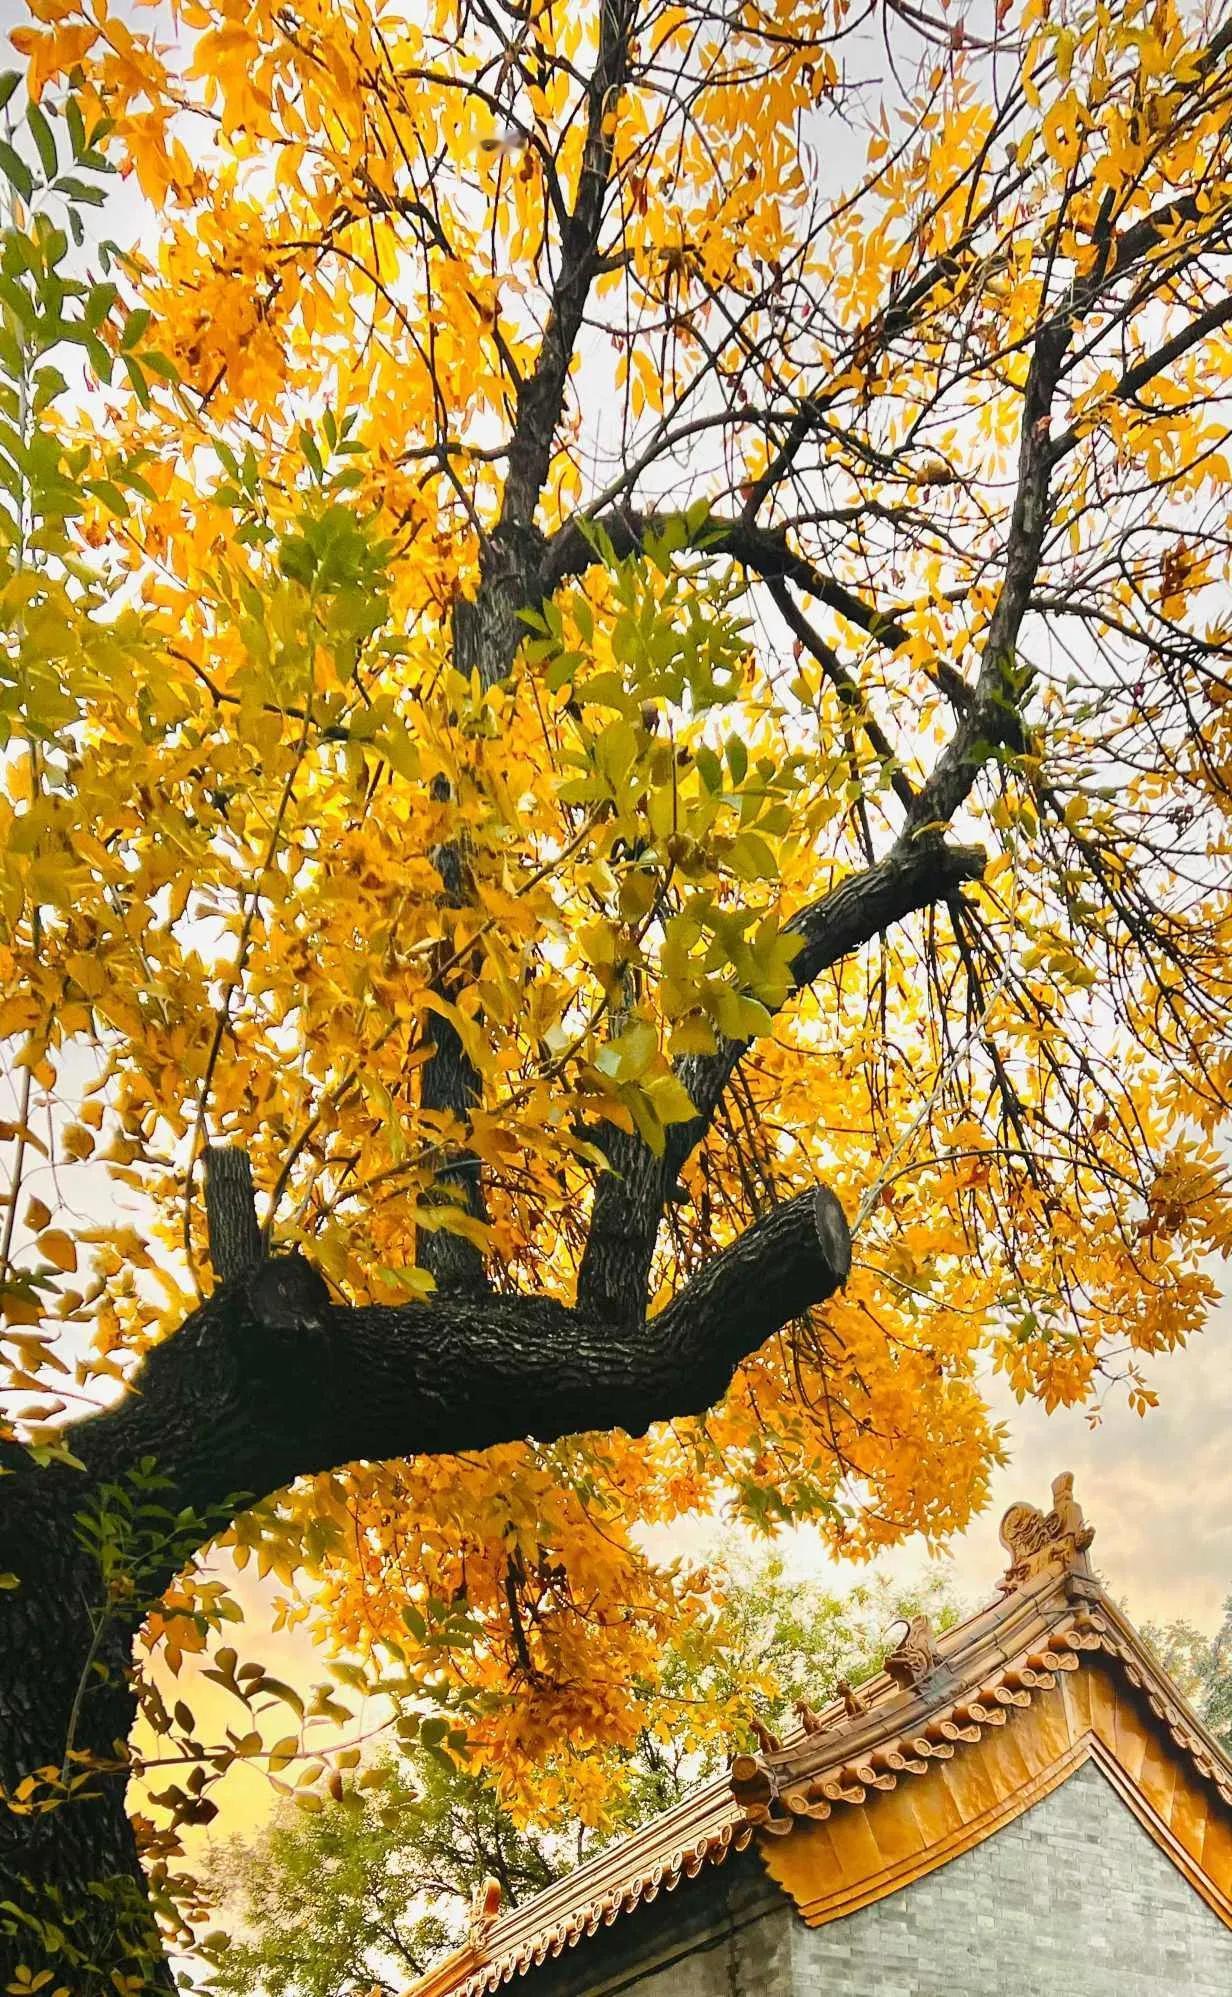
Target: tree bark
(70,1865)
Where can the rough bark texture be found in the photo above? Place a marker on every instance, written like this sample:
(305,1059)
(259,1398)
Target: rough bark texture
(270,1379)
(231,1216)
(488,630)
(74,1866)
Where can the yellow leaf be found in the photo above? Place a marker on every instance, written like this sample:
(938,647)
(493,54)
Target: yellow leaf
(59,1249)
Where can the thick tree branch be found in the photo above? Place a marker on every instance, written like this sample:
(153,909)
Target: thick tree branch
(630,1197)
(266,1381)
(993,715)
(541,395)
(487,631)
(1145,371)
(230,1212)
(269,1380)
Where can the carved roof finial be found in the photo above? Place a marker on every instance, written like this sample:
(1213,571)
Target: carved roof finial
(768,1742)
(485,1907)
(1046,1542)
(916,1658)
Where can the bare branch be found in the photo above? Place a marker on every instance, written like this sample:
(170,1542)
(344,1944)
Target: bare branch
(846,688)
(765,552)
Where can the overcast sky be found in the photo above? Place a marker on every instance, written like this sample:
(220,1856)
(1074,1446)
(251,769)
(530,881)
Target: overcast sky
(1157,1489)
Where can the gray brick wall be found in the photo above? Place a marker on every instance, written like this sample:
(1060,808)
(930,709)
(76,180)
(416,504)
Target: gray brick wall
(750,1961)
(1072,1899)
(727,1933)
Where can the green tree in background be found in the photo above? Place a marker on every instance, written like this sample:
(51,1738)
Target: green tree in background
(1202,1668)
(365,1892)
(362,1893)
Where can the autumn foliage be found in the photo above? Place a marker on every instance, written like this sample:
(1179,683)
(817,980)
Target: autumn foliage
(556,496)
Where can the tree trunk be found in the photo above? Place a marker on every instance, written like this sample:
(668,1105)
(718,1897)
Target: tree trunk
(73,1894)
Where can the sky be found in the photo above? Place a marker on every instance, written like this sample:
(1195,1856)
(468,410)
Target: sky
(1157,1489)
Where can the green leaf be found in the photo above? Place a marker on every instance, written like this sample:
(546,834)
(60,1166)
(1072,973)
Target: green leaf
(110,495)
(740,1017)
(99,303)
(616,752)
(15,170)
(400,752)
(751,858)
(672,1101)
(134,327)
(560,672)
(308,445)
(8,84)
(630,1053)
(137,378)
(100,358)
(79,190)
(76,126)
(135,483)
(44,138)
(19,302)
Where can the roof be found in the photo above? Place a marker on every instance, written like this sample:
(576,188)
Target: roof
(961,1732)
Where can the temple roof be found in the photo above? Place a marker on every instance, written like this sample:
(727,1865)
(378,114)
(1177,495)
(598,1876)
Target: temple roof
(957,1735)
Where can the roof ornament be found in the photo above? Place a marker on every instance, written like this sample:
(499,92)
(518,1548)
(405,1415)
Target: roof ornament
(1052,1542)
(854,1701)
(913,1661)
(768,1742)
(485,1907)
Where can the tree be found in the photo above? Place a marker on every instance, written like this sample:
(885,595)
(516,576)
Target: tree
(1202,1666)
(335,1901)
(626,626)
(363,1892)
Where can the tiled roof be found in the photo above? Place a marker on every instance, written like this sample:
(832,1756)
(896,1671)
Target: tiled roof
(938,1696)
(702,1829)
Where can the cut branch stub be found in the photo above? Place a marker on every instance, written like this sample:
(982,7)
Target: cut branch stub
(833,1233)
(231,1212)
